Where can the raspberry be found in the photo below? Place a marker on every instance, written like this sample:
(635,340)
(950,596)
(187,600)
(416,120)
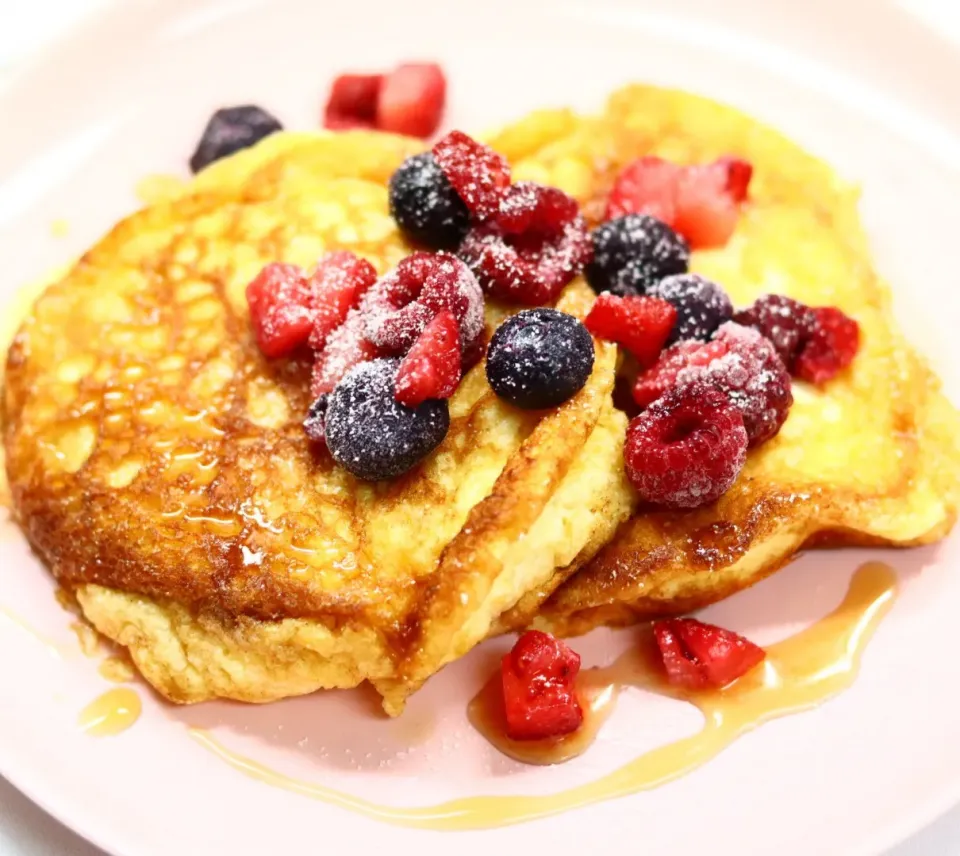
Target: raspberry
(787,323)
(698,656)
(352,102)
(315,424)
(702,306)
(640,324)
(831,347)
(346,347)
(477,172)
(687,449)
(231,129)
(399,307)
(432,367)
(412,99)
(662,376)
(281,310)
(539,688)
(337,283)
(536,244)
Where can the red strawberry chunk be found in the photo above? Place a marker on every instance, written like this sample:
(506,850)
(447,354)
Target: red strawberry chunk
(641,324)
(647,186)
(700,656)
(830,348)
(539,688)
(346,347)
(412,100)
(478,174)
(432,367)
(707,212)
(338,282)
(739,172)
(663,374)
(280,308)
(352,102)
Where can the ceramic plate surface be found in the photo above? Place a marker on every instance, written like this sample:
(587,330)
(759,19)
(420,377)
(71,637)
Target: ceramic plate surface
(127,94)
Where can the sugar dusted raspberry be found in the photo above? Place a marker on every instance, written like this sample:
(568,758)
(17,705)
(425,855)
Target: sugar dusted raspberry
(699,656)
(534,209)
(412,99)
(337,283)
(281,310)
(432,367)
(831,347)
(539,688)
(477,172)
(346,347)
(687,449)
(664,373)
(640,324)
(399,307)
(787,323)
(352,102)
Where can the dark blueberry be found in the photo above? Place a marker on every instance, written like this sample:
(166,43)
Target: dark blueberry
(373,436)
(315,423)
(539,358)
(231,129)
(632,252)
(425,205)
(702,306)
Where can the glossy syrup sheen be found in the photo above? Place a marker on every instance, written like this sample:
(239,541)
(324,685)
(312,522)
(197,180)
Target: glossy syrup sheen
(799,673)
(111,713)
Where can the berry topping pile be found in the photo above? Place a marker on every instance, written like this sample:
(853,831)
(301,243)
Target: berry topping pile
(427,209)
(408,100)
(432,367)
(701,202)
(539,358)
(539,688)
(698,656)
(702,306)
(640,324)
(231,129)
(632,253)
(687,449)
(370,434)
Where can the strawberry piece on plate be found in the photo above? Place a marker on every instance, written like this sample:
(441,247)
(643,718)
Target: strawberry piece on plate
(700,656)
(353,102)
(412,100)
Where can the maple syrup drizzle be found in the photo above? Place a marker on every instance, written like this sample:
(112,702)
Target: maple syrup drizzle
(111,713)
(799,673)
(16,621)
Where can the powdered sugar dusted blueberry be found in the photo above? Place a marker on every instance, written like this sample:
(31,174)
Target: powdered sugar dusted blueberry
(315,424)
(372,435)
(632,252)
(702,305)
(231,129)
(425,205)
(539,358)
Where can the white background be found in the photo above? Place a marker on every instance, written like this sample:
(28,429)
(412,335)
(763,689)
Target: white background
(26,26)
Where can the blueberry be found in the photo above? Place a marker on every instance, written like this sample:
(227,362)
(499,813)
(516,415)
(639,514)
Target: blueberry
(539,358)
(315,424)
(632,252)
(372,435)
(231,129)
(425,205)
(702,306)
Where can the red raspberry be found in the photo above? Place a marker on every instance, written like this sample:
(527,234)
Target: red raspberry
(831,347)
(477,172)
(662,376)
(346,347)
(687,449)
(412,99)
(641,324)
(700,656)
(536,244)
(432,367)
(539,688)
(700,202)
(402,303)
(338,282)
(280,301)
(787,323)
(352,102)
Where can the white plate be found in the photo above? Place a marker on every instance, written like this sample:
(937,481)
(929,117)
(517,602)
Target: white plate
(127,95)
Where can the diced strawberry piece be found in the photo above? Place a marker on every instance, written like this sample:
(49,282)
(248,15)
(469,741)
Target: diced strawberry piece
(412,100)
(700,202)
(353,102)
(478,174)
(280,308)
(700,656)
(831,346)
(641,324)
(664,374)
(345,348)
(432,367)
(539,688)
(338,282)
